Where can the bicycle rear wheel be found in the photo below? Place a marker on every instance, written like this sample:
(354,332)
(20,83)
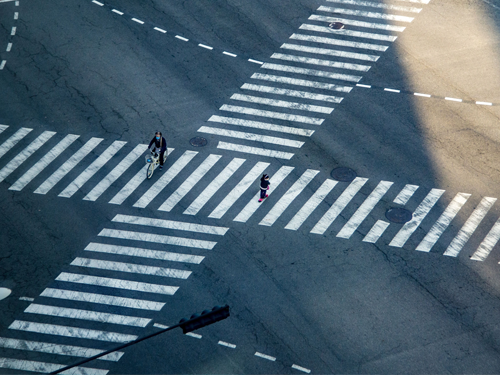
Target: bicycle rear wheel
(150,170)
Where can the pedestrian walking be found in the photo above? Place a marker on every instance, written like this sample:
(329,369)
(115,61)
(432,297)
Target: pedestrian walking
(264,187)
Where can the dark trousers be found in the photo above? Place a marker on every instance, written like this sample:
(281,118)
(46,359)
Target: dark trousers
(161,157)
(262,193)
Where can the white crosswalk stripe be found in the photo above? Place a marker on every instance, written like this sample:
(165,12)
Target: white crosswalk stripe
(443,222)
(2,128)
(261,125)
(251,136)
(488,243)
(405,194)
(254,203)
(313,202)
(377,5)
(339,42)
(276,115)
(13,140)
(311,72)
(330,52)
(255,150)
(362,212)
(64,312)
(25,154)
(420,213)
(362,13)
(112,176)
(329,217)
(238,190)
(214,186)
(57,349)
(350,33)
(92,169)
(74,332)
(133,184)
(377,230)
(64,169)
(293,93)
(301,82)
(469,227)
(288,197)
(45,368)
(165,179)
(350,22)
(312,61)
(282,103)
(48,158)
(189,183)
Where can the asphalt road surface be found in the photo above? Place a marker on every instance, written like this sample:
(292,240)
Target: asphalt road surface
(318,278)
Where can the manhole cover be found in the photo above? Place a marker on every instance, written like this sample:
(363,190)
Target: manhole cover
(4,293)
(343,174)
(198,142)
(336,25)
(398,215)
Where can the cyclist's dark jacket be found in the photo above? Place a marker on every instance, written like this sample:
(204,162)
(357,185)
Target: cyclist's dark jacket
(157,144)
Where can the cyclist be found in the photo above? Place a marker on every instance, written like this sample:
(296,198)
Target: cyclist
(160,146)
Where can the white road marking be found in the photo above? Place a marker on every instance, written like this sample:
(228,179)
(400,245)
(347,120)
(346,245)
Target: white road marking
(313,202)
(92,169)
(254,204)
(57,349)
(265,356)
(366,207)
(301,82)
(278,115)
(334,211)
(169,224)
(443,222)
(74,332)
(160,30)
(282,103)
(48,158)
(453,99)
(98,3)
(293,93)
(214,186)
(288,197)
(364,86)
(300,368)
(181,38)
(13,31)
(251,136)
(158,325)
(112,176)
(64,312)
(329,63)
(226,344)
(117,283)
(149,237)
(9,47)
(488,243)
(189,182)
(17,2)
(361,13)
(351,33)
(103,299)
(377,230)
(339,42)
(377,5)
(165,179)
(312,72)
(238,190)
(368,25)
(424,95)
(484,103)
(3,127)
(2,64)
(133,184)
(255,150)
(420,213)
(405,194)
(469,227)
(392,90)
(44,367)
(262,125)
(229,54)
(195,335)
(117,12)
(13,140)
(64,169)
(330,52)
(205,46)
(138,21)
(255,61)
(20,158)
(29,299)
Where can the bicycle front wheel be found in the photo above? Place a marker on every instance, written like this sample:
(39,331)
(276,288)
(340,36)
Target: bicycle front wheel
(150,170)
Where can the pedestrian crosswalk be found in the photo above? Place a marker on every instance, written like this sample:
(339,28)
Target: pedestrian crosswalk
(100,300)
(320,57)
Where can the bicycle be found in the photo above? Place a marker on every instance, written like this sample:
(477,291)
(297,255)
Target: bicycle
(153,160)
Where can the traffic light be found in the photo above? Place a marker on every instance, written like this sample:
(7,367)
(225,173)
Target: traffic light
(206,318)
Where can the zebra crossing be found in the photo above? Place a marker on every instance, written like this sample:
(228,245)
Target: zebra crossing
(100,300)
(226,188)
(265,104)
